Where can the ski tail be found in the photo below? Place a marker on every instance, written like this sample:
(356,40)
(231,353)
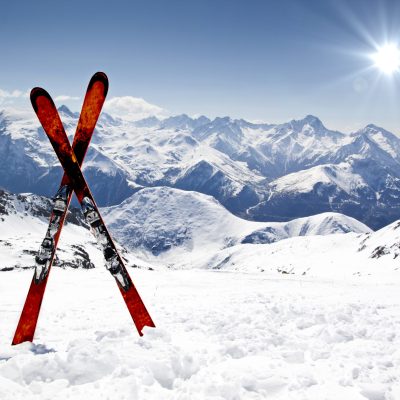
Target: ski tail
(94,99)
(137,309)
(29,315)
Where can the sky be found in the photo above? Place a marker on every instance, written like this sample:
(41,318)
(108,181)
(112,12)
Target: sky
(265,60)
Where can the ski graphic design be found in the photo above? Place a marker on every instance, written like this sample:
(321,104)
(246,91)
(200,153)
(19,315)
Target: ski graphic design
(91,108)
(52,125)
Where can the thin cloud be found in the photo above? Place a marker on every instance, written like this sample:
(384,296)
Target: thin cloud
(132,108)
(64,97)
(18,94)
(13,98)
(4,94)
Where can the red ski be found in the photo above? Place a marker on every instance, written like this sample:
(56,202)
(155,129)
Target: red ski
(92,105)
(52,125)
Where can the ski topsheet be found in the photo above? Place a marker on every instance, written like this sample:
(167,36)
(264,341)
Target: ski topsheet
(91,108)
(52,125)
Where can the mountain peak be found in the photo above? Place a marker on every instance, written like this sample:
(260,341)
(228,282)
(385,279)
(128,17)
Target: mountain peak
(310,120)
(202,120)
(183,121)
(147,122)
(374,131)
(373,127)
(177,118)
(313,121)
(222,121)
(65,110)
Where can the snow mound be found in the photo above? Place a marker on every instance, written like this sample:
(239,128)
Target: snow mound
(321,224)
(343,256)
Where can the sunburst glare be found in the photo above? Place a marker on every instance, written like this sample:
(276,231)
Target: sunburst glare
(387,58)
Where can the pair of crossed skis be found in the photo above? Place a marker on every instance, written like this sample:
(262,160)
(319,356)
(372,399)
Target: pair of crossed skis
(71,159)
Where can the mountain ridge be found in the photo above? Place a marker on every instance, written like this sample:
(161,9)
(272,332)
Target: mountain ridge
(167,223)
(240,163)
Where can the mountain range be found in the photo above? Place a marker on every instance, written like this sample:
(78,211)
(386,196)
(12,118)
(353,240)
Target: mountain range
(260,172)
(171,228)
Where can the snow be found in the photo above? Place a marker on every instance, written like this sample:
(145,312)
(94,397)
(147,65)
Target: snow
(340,175)
(154,150)
(307,317)
(219,335)
(233,160)
(178,227)
(343,256)
(384,139)
(243,309)
(20,239)
(382,142)
(303,256)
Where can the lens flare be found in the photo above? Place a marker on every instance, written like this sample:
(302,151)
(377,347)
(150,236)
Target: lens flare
(387,58)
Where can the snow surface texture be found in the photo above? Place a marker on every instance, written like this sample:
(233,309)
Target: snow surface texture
(263,172)
(219,336)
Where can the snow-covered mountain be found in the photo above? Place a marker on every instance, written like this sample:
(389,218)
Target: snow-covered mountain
(262,172)
(341,256)
(23,224)
(159,225)
(172,225)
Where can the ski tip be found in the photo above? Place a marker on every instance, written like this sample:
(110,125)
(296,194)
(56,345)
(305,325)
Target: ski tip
(36,93)
(99,77)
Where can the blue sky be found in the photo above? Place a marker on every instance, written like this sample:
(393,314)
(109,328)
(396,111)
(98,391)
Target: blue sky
(258,60)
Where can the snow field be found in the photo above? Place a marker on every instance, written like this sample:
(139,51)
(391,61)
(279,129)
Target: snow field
(329,256)
(219,335)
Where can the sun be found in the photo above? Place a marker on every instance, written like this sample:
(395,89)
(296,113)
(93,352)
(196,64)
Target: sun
(387,58)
